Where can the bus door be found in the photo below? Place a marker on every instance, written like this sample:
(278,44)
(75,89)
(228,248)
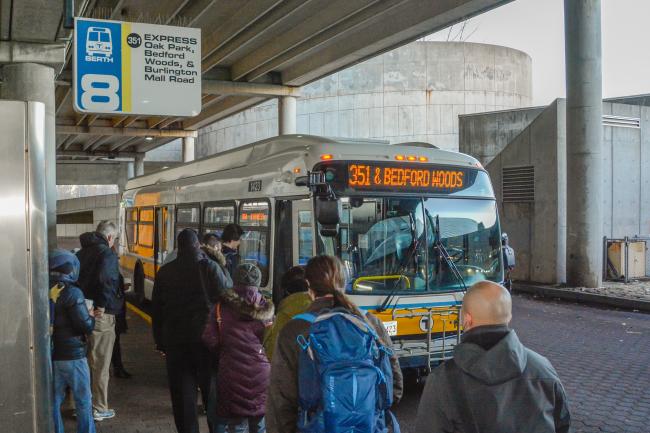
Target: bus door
(160,236)
(303,231)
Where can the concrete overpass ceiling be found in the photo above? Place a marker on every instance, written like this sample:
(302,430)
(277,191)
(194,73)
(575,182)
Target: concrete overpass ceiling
(271,42)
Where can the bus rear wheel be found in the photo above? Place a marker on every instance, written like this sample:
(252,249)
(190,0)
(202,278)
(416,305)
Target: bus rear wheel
(138,283)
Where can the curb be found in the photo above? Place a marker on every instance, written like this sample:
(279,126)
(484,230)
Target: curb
(582,297)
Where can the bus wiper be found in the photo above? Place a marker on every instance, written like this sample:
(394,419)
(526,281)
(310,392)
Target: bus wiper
(445,255)
(393,292)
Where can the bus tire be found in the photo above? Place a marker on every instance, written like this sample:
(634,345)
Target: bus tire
(138,283)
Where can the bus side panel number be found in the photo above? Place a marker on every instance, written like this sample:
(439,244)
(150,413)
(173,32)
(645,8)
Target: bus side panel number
(255,186)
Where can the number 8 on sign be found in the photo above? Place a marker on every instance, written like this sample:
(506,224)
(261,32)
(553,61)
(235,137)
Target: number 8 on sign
(99,92)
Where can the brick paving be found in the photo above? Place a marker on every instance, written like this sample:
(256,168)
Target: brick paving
(603,357)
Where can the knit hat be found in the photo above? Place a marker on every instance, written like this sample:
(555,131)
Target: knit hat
(63,266)
(247,274)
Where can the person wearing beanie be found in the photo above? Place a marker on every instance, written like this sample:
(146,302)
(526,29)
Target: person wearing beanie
(296,301)
(184,291)
(238,323)
(71,322)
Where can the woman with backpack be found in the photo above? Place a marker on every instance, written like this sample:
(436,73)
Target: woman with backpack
(297,346)
(235,332)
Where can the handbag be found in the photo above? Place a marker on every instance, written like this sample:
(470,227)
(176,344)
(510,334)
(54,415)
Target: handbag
(211,336)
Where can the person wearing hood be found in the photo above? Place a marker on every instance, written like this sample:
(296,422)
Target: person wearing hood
(184,290)
(296,301)
(99,279)
(494,384)
(244,370)
(71,323)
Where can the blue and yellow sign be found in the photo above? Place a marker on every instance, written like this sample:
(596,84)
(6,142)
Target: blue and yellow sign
(136,68)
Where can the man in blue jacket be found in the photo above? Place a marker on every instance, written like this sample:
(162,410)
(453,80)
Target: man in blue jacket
(71,323)
(99,279)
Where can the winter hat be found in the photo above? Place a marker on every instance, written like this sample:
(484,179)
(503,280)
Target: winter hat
(187,241)
(247,274)
(63,266)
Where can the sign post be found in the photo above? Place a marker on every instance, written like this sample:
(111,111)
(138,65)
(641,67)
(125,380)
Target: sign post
(136,68)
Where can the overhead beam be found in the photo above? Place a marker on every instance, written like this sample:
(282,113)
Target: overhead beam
(80,153)
(215,87)
(222,108)
(126,132)
(122,144)
(27,52)
(332,13)
(414,19)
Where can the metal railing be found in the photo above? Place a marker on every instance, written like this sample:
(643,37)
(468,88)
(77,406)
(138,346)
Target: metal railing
(432,314)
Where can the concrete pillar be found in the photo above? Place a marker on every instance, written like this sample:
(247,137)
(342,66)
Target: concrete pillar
(139,165)
(287,114)
(130,170)
(34,82)
(584,137)
(188,149)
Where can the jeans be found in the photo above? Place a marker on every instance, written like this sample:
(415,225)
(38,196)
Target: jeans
(75,375)
(253,424)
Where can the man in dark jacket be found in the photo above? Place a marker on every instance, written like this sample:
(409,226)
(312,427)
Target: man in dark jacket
(493,384)
(230,240)
(71,322)
(99,279)
(183,292)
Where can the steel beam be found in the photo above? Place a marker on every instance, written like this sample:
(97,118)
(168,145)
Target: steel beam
(216,87)
(126,132)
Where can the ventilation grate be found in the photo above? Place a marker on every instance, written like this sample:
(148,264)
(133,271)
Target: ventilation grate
(518,184)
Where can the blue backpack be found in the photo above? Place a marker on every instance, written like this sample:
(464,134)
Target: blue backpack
(345,381)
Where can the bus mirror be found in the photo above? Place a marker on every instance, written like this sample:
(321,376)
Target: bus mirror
(328,215)
(302,181)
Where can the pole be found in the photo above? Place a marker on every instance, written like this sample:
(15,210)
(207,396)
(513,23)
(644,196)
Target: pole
(139,165)
(188,149)
(35,82)
(287,115)
(584,110)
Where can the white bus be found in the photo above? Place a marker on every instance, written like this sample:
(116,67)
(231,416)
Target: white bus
(414,225)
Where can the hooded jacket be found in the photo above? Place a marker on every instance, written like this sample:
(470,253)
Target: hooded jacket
(282,410)
(99,277)
(290,307)
(184,290)
(244,370)
(493,385)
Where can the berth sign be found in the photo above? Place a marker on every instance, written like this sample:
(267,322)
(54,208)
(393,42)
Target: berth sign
(136,68)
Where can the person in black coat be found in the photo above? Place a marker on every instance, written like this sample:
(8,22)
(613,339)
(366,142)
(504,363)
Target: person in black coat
(99,278)
(184,290)
(493,384)
(71,323)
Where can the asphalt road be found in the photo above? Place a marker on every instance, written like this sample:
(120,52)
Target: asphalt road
(602,356)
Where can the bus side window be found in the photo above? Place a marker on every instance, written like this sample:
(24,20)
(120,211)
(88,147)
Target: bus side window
(188,216)
(145,227)
(217,215)
(254,218)
(131,227)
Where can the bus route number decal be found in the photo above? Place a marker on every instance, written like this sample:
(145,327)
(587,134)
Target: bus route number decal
(255,186)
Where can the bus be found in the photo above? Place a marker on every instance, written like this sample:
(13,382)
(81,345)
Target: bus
(414,225)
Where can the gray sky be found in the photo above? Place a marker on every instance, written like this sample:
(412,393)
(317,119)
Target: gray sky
(537,27)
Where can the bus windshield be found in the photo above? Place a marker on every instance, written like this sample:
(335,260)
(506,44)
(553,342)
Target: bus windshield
(392,245)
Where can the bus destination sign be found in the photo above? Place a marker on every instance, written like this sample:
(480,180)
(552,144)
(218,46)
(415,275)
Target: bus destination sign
(373,176)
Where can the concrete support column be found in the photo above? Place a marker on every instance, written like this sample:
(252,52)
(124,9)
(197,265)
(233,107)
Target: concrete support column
(584,137)
(139,165)
(287,114)
(188,149)
(35,82)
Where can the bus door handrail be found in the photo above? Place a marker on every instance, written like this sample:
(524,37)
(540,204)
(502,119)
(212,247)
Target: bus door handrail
(430,312)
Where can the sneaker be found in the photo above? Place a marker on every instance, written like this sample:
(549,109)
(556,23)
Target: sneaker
(103,414)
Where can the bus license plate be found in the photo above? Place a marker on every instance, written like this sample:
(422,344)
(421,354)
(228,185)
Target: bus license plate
(391,328)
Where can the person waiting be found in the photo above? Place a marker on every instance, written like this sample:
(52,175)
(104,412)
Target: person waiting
(230,241)
(494,384)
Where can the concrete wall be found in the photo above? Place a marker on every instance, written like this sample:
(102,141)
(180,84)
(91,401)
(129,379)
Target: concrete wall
(537,230)
(104,173)
(414,93)
(104,207)
(484,135)
(171,151)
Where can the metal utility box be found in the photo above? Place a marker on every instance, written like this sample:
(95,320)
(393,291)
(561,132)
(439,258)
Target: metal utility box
(636,252)
(25,373)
